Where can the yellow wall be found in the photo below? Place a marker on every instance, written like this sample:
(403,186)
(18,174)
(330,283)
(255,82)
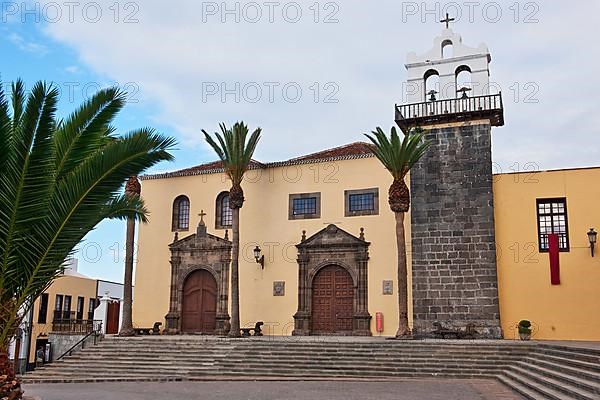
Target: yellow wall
(264,221)
(73,286)
(572,309)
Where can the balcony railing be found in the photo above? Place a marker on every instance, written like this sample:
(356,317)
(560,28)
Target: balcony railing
(76,325)
(451,110)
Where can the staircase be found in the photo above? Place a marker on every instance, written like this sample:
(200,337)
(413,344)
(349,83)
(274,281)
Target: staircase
(556,372)
(535,370)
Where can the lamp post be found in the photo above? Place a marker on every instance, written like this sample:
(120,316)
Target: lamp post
(260,259)
(592,236)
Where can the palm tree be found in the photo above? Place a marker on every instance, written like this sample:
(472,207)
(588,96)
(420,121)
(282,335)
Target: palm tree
(132,189)
(398,157)
(236,153)
(60,178)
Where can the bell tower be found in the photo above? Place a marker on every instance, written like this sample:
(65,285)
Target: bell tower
(452,215)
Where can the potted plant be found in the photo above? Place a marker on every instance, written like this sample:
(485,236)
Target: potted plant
(524,329)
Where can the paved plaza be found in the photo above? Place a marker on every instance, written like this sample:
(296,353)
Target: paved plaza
(429,389)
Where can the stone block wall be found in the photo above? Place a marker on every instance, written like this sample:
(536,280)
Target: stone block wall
(453,241)
(62,342)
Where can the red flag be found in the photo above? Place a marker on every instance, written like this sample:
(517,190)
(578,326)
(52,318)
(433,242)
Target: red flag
(554,258)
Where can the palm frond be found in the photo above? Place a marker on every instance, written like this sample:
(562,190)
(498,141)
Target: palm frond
(60,179)
(234,149)
(398,156)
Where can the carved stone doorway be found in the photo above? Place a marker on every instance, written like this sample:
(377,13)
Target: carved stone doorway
(199,284)
(333,284)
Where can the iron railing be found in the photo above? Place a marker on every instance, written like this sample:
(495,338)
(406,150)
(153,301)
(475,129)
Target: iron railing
(94,333)
(414,114)
(76,325)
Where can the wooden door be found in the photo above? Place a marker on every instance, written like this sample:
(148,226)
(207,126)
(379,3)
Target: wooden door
(199,308)
(112,317)
(332,301)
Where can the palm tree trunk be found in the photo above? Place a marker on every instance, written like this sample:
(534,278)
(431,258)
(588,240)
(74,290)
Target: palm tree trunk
(127,323)
(235,278)
(403,328)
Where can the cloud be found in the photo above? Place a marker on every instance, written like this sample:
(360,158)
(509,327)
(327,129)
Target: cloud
(73,69)
(27,45)
(198,71)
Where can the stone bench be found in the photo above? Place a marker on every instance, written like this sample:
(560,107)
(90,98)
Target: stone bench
(155,330)
(257,330)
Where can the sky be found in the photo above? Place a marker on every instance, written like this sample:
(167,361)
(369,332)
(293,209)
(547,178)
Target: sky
(311,74)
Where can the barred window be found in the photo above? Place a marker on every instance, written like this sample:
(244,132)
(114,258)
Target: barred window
(552,218)
(305,206)
(181,214)
(224,217)
(361,202)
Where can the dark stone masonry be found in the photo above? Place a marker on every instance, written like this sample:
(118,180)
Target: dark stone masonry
(453,244)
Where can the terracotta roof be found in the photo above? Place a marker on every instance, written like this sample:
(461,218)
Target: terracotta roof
(208,168)
(345,152)
(352,149)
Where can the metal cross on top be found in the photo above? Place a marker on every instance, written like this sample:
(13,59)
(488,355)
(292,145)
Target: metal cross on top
(202,214)
(448,20)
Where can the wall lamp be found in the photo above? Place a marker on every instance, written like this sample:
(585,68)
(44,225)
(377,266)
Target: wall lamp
(592,236)
(260,259)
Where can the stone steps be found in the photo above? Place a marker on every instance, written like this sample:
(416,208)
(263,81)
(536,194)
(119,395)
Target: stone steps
(536,371)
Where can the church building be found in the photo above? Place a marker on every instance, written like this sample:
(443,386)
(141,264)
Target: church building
(317,238)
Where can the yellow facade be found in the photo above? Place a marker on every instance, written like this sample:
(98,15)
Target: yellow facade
(565,312)
(65,285)
(264,222)
(571,310)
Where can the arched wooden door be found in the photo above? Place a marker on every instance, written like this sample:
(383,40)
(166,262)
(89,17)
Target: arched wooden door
(332,301)
(199,308)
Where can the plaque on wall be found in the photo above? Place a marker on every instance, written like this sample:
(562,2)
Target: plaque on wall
(279,288)
(388,287)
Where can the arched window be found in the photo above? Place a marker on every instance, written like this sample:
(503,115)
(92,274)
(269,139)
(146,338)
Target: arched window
(432,82)
(463,79)
(224,215)
(181,214)
(447,49)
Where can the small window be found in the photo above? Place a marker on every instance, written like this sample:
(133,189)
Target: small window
(58,304)
(43,311)
(67,308)
(305,206)
(361,202)
(552,218)
(92,307)
(224,217)
(80,301)
(181,214)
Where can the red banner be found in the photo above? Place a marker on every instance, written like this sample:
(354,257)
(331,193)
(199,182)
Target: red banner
(554,258)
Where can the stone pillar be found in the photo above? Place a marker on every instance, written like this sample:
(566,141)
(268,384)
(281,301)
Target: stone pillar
(453,240)
(100,313)
(303,315)
(361,325)
(223,318)
(173,317)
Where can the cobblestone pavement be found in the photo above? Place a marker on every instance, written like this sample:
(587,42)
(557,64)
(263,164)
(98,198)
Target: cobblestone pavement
(328,390)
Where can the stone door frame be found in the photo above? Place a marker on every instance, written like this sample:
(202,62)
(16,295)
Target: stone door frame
(333,246)
(201,251)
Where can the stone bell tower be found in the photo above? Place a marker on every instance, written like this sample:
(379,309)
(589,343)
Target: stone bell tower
(453,241)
